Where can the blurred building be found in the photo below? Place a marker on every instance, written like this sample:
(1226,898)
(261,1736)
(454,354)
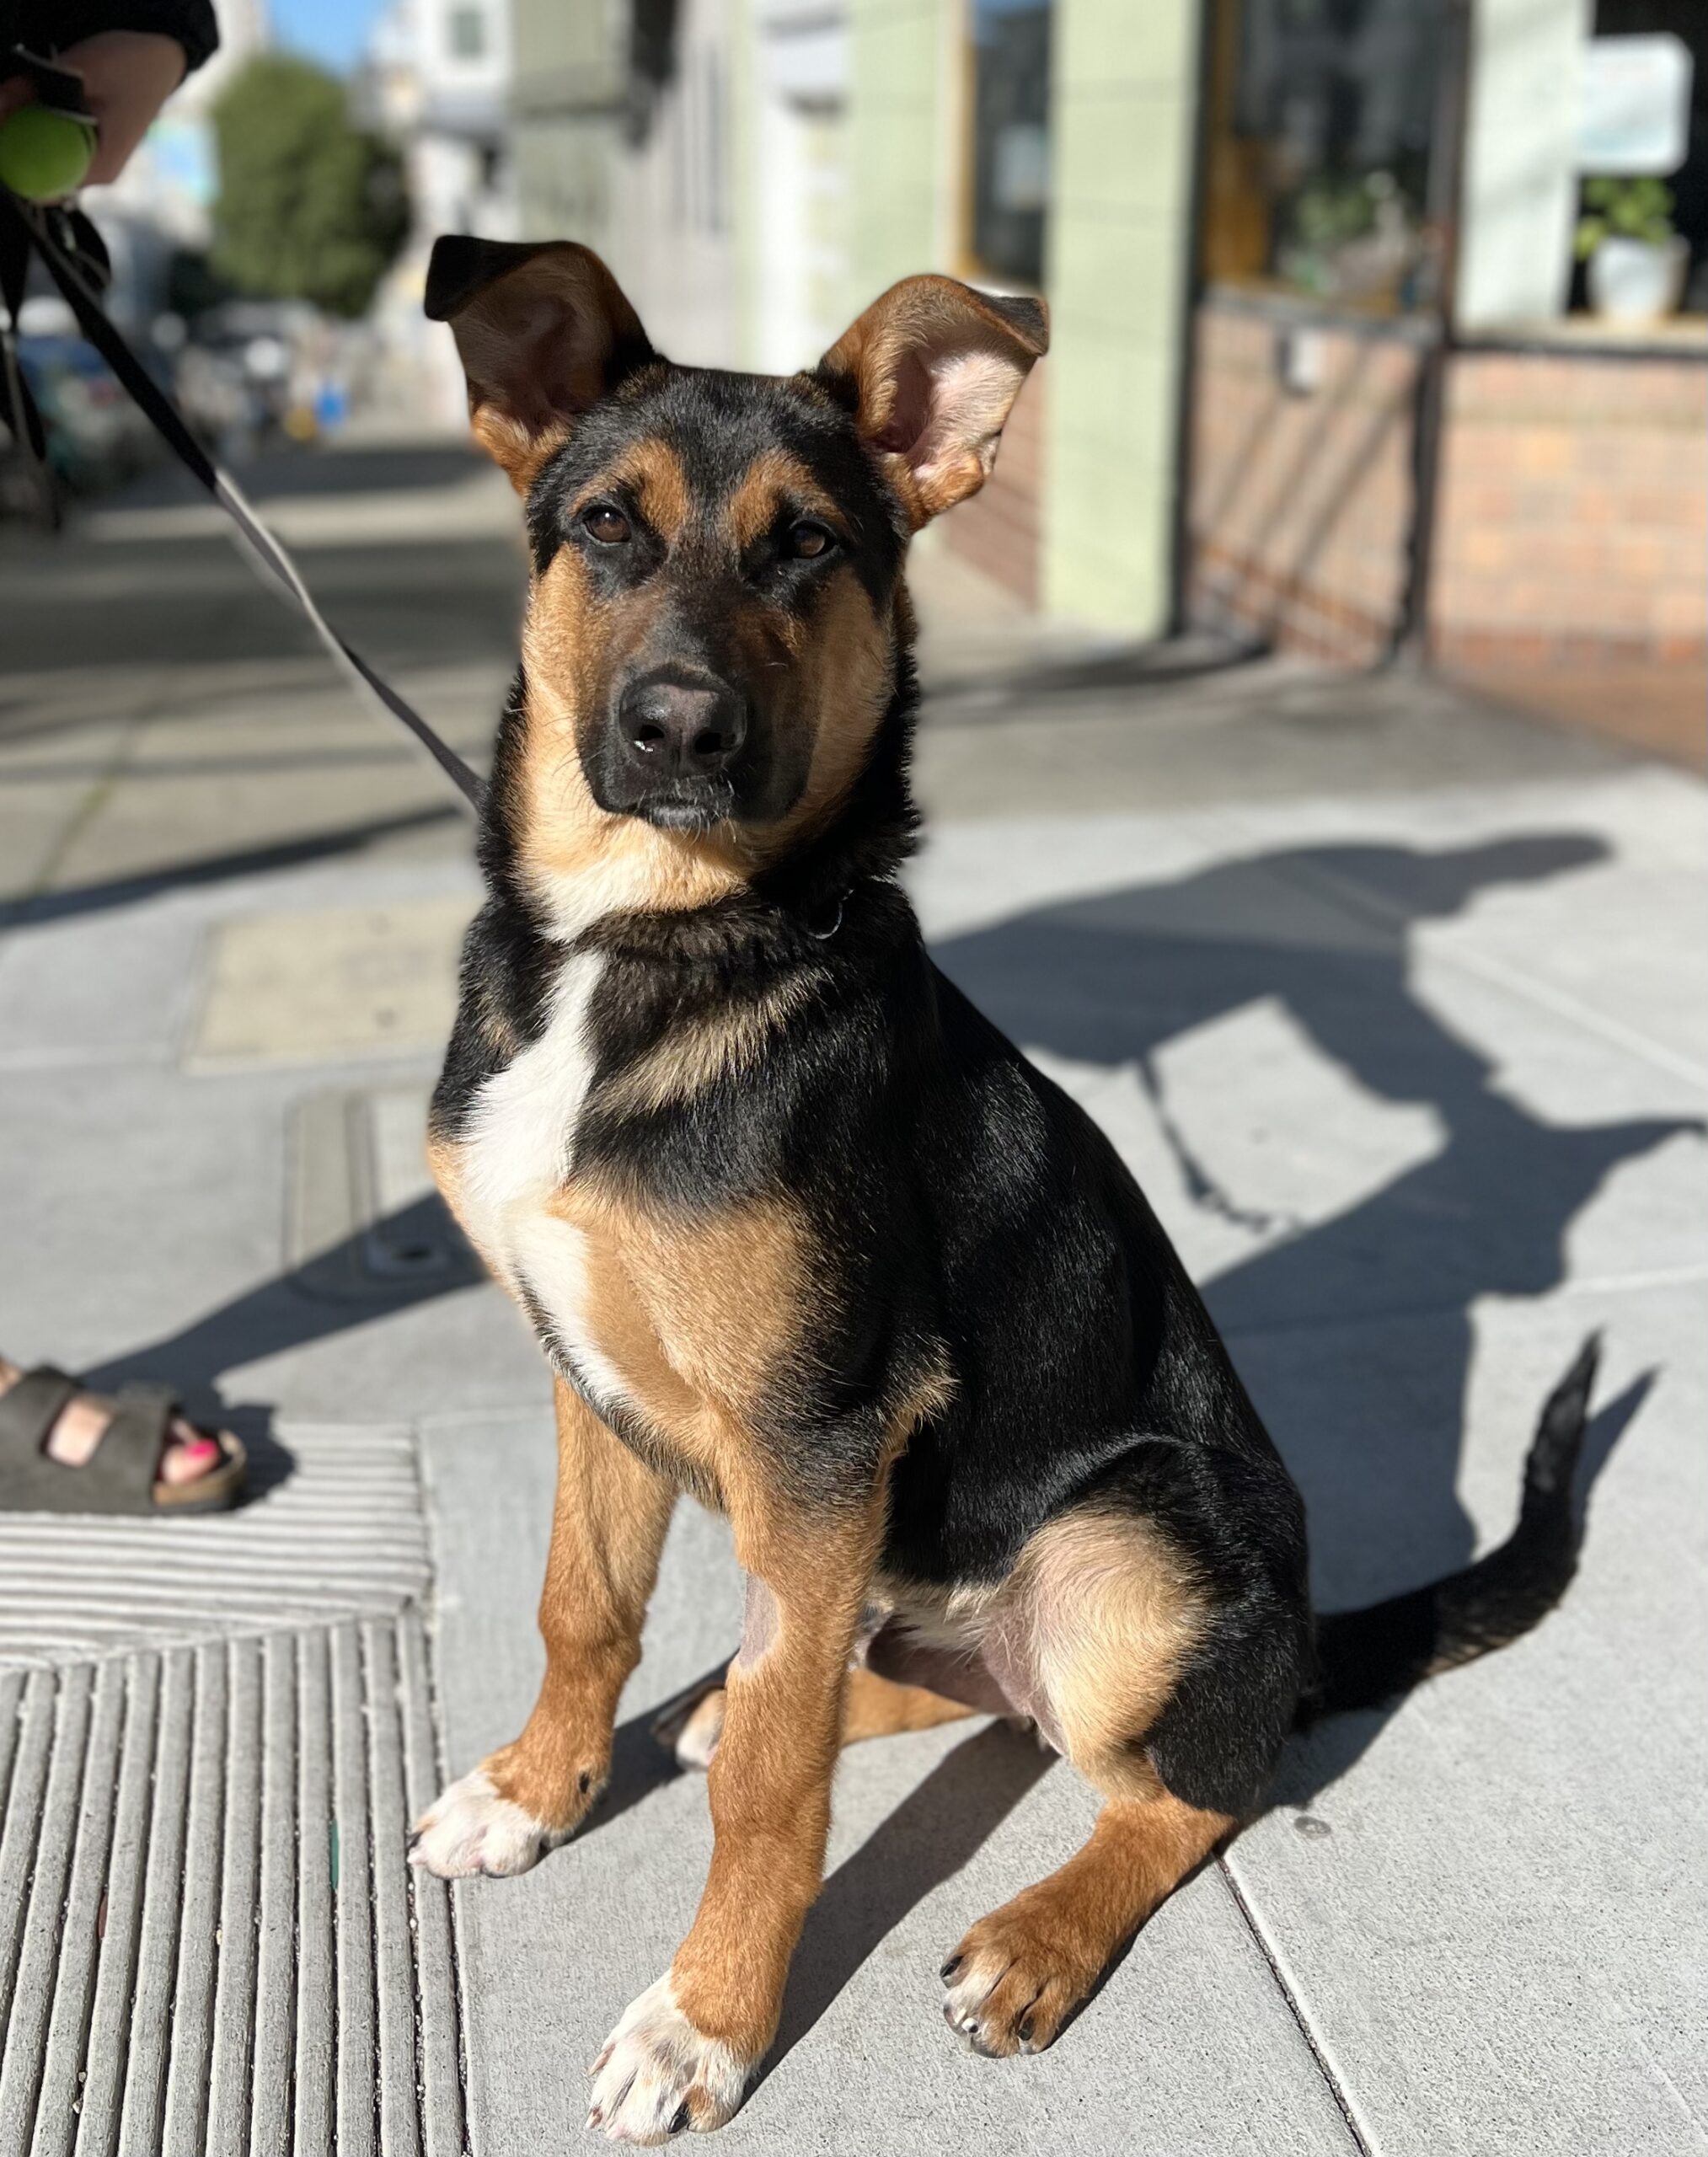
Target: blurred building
(624,124)
(1325,370)
(436,78)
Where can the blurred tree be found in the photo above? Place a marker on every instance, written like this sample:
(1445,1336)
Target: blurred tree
(310,206)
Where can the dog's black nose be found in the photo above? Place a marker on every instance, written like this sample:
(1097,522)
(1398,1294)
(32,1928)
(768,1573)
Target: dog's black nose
(681,729)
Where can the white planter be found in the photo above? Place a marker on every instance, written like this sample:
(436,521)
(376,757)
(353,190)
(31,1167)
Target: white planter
(1637,280)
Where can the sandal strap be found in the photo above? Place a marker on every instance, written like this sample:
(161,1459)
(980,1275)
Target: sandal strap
(126,1463)
(118,1477)
(29,1408)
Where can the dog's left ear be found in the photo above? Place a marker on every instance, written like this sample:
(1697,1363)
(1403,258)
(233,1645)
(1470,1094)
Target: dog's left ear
(543,331)
(932,370)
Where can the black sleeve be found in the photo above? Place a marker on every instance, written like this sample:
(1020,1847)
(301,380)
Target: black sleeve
(51,25)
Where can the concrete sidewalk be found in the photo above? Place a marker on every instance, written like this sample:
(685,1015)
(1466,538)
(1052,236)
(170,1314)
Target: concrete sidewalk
(1394,1003)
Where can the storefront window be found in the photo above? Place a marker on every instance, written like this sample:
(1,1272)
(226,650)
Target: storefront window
(1320,117)
(1671,206)
(1010,97)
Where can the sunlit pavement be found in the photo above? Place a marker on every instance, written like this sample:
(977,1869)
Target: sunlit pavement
(1394,1003)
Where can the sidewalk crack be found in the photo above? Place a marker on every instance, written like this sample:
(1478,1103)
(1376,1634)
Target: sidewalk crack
(1332,2081)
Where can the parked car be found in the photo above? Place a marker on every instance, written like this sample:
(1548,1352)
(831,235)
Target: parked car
(96,436)
(234,374)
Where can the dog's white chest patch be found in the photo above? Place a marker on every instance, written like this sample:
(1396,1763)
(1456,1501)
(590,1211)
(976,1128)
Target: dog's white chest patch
(518,1154)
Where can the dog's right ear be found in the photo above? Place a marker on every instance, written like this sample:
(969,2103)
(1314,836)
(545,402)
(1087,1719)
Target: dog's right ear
(543,331)
(930,372)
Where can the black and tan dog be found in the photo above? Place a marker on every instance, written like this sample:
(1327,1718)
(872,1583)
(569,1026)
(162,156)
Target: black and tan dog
(801,1233)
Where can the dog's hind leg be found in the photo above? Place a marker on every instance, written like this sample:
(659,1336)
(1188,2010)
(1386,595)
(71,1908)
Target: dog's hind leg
(1097,1635)
(872,1707)
(1019,1972)
(607,1531)
(878,1707)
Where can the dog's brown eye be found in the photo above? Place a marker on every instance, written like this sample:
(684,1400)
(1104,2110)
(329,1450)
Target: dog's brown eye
(808,540)
(608,526)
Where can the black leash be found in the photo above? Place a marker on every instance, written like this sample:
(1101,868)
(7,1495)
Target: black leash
(76,263)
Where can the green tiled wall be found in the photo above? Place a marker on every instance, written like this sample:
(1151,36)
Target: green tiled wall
(569,78)
(1123,123)
(900,165)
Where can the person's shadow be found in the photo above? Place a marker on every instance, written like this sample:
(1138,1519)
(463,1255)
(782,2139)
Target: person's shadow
(1325,933)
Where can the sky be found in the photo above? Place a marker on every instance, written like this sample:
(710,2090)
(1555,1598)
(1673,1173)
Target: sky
(331,31)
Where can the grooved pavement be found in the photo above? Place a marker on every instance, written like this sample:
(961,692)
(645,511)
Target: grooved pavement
(201,1948)
(342,1532)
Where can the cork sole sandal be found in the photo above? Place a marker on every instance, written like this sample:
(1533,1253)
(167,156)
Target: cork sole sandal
(119,1477)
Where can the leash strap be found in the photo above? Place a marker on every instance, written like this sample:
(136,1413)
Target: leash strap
(169,422)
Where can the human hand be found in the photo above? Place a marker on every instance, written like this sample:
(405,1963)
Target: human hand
(127,75)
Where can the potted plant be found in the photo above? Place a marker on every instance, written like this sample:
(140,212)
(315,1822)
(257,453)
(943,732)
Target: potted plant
(1635,261)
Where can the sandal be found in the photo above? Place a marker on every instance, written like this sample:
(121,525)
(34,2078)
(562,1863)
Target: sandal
(119,1477)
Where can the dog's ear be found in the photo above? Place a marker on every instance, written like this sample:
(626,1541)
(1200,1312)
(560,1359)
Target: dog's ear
(543,331)
(931,371)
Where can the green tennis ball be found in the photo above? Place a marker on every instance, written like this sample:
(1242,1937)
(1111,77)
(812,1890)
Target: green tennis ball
(44,154)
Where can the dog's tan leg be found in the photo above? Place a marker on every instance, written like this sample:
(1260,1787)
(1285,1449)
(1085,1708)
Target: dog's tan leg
(608,1529)
(1021,1971)
(872,1707)
(878,1707)
(1095,1628)
(681,2054)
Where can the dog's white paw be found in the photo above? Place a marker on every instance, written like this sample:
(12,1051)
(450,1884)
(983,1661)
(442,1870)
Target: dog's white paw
(470,1828)
(658,2076)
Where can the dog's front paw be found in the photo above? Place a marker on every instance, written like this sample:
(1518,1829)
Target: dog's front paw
(659,2076)
(470,1828)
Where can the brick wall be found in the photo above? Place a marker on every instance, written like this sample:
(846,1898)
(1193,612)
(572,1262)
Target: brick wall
(997,530)
(1301,498)
(1573,510)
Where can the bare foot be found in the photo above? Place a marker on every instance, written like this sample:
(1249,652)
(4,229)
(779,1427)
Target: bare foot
(187,1454)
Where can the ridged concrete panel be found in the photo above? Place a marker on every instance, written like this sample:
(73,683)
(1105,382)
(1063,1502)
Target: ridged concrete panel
(210,1945)
(341,1532)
